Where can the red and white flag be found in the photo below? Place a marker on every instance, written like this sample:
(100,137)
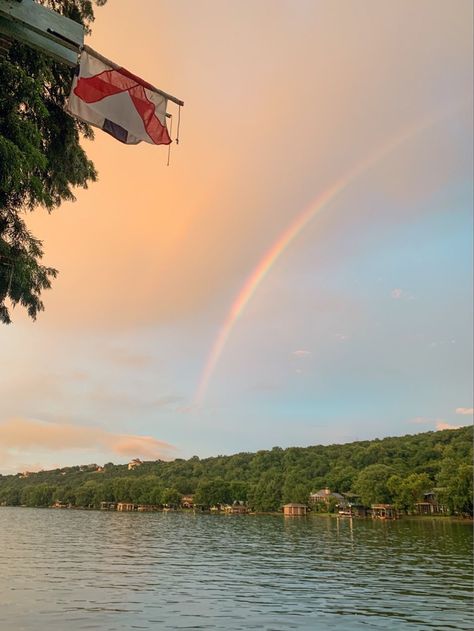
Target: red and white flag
(115,100)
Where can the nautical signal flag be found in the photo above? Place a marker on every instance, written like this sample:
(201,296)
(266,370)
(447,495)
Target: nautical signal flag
(113,99)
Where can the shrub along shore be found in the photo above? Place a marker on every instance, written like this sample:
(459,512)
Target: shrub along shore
(398,470)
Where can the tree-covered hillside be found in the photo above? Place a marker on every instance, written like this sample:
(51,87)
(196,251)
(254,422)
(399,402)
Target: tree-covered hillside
(397,470)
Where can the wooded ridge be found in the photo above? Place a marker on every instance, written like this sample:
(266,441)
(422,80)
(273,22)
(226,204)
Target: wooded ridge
(395,470)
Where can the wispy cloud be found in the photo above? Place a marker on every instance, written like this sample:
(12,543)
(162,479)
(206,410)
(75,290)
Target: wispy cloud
(465,411)
(22,434)
(301,353)
(127,358)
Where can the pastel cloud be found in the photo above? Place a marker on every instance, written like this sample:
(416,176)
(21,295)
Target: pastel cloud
(301,353)
(465,411)
(24,434)
(441,425)
(396,293)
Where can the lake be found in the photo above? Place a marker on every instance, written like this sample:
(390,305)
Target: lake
(71,570)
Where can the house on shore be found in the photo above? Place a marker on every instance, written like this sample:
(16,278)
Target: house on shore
(295,510)
(429,505)
(326,496)
(383,511)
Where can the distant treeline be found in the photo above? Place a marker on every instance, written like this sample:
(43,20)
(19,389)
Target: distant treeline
(392,470)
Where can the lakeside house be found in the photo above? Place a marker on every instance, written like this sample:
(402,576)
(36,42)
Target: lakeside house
(326,496)
(295,510)
(383,511)
(429,505)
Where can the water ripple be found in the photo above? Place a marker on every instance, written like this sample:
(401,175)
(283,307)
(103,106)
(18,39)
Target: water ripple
(83,571)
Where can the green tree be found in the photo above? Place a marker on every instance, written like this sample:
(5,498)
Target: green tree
(266,495)
(371,484)
(341,478)
(89,494)
(238,491)
(456,488)
(41,159)
(171,497)
(38,495)
(213,492)
(123,490)
(407,491)
(296,487)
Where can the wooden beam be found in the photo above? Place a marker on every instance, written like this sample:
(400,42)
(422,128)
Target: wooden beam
(45,22)
(58,52)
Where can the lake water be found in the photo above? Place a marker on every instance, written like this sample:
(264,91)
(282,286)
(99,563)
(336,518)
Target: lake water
(65,570)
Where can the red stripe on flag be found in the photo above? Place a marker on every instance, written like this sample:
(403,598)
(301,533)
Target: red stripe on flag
(98,87)
(112,82)
(154,128)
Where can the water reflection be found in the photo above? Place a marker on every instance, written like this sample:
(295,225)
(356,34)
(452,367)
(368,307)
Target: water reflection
(79,570)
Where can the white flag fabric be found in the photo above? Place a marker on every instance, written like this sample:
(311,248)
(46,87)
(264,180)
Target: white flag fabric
(120,103)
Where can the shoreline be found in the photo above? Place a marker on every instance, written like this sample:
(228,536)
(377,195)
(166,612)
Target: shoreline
(311,515)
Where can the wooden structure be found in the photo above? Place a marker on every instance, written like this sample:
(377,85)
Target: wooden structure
(383,511)
(429,505)
(355,510)
(187,501)
(237,508)
(108,506)
(126,507)
(295,510)
(41,28)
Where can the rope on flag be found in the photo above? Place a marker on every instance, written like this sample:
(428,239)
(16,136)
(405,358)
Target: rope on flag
(113,99)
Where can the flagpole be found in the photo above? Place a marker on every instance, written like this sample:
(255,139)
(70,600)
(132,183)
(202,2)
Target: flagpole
(115,66)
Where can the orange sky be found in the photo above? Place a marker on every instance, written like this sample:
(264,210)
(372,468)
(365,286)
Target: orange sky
(286,93)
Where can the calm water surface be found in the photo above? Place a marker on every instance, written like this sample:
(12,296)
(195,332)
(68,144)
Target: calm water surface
(75,570)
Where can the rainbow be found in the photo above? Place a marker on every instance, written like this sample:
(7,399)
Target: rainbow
(285,239)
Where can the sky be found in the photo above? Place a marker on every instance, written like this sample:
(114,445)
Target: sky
(300,274)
